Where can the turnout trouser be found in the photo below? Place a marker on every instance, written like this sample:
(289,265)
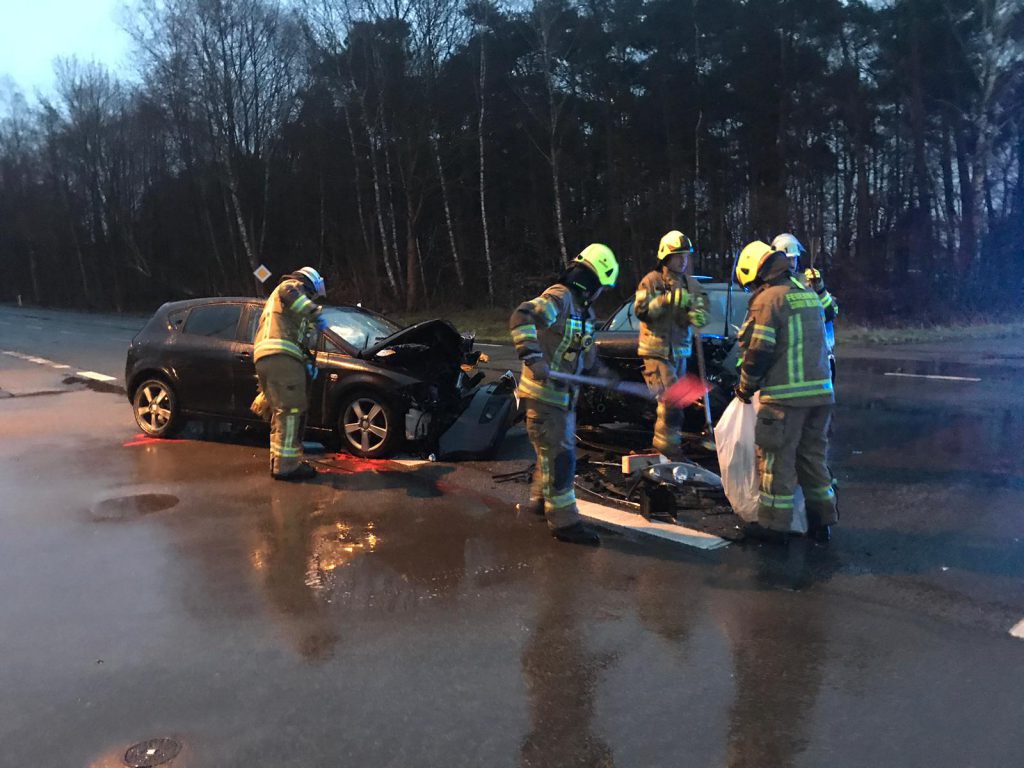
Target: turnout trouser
(792,443)
(668,428)
(283,382)
(552,433)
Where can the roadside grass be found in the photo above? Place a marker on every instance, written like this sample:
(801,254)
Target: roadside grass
(491,326)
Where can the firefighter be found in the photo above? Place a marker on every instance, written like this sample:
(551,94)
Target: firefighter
(667,311)
(785,358)
(554,333)
(812,278)
(283,364)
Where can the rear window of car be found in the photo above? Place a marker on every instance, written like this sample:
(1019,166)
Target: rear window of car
(218,321)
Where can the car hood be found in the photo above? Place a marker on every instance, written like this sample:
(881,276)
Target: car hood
(444,341)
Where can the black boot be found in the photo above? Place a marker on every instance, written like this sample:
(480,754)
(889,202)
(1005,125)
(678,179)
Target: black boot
(305,471)
(758,532)
(820,534)
(536,506)
(577,533)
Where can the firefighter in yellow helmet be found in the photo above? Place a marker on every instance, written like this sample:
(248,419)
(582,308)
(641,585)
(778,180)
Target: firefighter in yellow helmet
(554,333)
(282,361)
(667,311)
(785,357)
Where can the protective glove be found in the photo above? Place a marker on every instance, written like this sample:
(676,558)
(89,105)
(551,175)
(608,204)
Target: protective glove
(679,298)
(814,280)
(539,368)
(321,323)
(743,396)
(312,370)
(698,318)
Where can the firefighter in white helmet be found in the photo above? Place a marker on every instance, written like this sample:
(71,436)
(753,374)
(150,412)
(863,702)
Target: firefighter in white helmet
(667,311)
(282,359)
(813,279)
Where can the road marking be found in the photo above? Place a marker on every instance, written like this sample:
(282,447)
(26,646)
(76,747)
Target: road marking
(496,346)
(95,376)
(619,518)
(1017,630)
(931,376)
(34,327)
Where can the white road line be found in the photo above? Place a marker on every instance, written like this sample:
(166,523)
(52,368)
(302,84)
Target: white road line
(95,376)
(39,360)
(619,518)
(1017,630)
(34,327)
(929,376)
(60,366)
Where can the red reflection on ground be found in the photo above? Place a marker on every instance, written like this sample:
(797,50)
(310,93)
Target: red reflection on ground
(347,464)
(141,439)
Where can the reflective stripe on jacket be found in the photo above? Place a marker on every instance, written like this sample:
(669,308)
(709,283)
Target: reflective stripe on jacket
(285,321)
(662,306)
(784,350)
(555,327)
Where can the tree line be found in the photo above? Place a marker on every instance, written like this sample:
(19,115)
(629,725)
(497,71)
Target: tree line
(426,153)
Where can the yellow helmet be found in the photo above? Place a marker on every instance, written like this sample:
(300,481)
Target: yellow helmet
(750,261)
(602,261)
(674,242)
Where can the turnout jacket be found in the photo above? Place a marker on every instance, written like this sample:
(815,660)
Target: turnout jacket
(286,320)
(783,342)
(662,306)
(559,328)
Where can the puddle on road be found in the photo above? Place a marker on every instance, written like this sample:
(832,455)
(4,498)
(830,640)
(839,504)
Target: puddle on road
(123,508)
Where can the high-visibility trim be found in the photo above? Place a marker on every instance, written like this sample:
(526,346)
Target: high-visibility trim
(776,501)
(791,350)
(572,327)
(825,493)
(267,347)
(524,333)
(801,389)
(799,344)
(536,390)
(827,301)
(301,305)
(562,500)
(544,309)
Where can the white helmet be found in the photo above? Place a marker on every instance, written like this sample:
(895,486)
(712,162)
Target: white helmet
(315,278)
(792,247)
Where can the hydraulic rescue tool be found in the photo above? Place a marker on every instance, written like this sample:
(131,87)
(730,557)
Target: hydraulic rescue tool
(688,390)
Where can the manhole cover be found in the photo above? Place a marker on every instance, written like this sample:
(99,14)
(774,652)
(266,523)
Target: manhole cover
(147,754)
(128,507)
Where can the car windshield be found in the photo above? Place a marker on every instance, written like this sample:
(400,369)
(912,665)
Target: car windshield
(359,328)
(718,296)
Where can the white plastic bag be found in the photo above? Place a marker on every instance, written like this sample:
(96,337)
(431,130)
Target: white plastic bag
(734,440)
(737,460)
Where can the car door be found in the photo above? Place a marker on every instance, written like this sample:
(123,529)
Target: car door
(246,382)
(207,353)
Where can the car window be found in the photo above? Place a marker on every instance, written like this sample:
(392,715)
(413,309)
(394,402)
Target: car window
(624,319)
(175,319)
(255,312)
(359,328)
(217,321)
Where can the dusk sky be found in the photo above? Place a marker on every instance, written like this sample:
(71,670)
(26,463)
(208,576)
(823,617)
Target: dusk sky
(34,32)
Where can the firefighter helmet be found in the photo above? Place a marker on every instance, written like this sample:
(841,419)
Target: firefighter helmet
(752,257)
(315,278)
(674,242)
(602,261)
(792,247)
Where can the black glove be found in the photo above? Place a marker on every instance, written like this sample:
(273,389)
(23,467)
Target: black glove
(743,396)
(539,368)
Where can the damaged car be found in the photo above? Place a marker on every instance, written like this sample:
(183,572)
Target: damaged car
(379,387)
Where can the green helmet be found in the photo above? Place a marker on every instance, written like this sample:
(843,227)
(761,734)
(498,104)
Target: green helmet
(602,262)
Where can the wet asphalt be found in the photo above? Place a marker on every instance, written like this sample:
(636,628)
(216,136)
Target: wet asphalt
(405,615)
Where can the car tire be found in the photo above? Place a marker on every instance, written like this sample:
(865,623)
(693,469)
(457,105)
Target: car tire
(156,408)
(368,425)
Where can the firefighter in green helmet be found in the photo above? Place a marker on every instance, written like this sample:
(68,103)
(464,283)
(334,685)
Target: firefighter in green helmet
(554,333)
(785,358)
